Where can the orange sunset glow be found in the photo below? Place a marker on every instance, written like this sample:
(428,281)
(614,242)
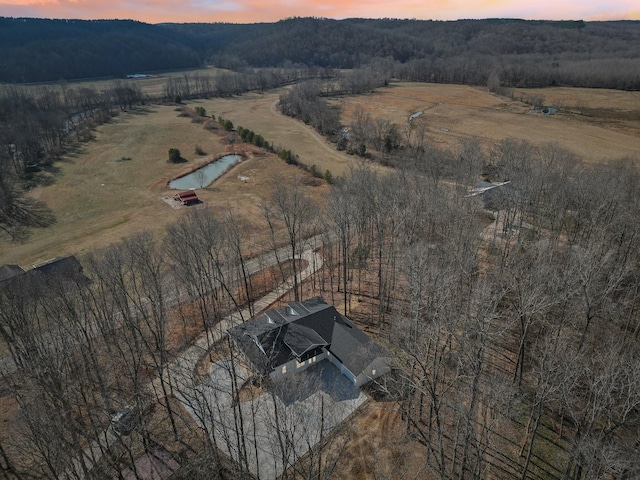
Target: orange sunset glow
(253,11)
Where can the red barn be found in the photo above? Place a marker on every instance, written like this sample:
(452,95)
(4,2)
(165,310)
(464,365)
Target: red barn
(187,197)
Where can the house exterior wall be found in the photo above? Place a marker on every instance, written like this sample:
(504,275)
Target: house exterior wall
(371,373)
(344,370)
(294,367)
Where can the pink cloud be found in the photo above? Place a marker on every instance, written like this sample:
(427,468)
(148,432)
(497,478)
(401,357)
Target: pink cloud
(248,11)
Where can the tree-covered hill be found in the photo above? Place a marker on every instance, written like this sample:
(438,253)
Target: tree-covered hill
(518,52)
(35,50)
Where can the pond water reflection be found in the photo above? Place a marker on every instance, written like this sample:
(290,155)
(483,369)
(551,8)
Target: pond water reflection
(203,176)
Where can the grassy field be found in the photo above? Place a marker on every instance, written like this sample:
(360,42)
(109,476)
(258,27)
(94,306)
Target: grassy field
(114,186)
(153,85)
(259,113)
(99,197)
(599,125)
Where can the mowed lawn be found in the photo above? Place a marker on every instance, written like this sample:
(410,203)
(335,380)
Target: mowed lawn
(99,196)
(451,113)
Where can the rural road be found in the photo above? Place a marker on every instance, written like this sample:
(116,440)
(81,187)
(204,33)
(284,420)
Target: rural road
(182,367)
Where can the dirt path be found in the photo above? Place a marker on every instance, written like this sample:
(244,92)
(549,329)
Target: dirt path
(259,113)
(320,140)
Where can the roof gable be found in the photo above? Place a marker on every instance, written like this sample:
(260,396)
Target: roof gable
(282,335)
(300,339)
(354,348)
(321,322)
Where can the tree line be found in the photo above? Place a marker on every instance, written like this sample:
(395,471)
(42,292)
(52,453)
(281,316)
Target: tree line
(519,52)
(512,318)
(39,124)
(45,50)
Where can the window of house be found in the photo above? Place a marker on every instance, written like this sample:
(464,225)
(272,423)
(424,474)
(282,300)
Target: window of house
(284,369)
(373,371)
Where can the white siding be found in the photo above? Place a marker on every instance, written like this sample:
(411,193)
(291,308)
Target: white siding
(344,370)
(371,373)
(293,366)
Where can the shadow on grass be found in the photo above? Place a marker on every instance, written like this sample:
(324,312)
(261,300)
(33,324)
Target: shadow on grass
(142,110)
(178,160)
(26,213)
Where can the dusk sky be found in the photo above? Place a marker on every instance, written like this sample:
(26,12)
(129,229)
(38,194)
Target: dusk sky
(252,11)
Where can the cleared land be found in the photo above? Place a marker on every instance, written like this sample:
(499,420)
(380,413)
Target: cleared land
(259,113)
(152,85)
(598,125)
(114,186)
(99,197)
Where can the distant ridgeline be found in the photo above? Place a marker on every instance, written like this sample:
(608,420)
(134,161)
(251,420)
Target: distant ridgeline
(40,50)
(511,52)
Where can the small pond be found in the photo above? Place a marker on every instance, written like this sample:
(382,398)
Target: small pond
(203,176)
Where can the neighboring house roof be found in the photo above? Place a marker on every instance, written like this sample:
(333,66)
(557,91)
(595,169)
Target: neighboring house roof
(59,269)
(9,271)
(482,187)
(279,336)
(495,196)
(56,271)
(58,266)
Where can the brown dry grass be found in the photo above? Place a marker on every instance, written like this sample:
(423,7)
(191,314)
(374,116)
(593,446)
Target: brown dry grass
(98,199)
(91,214)
(452,113)
(259,113)
(372,444)
(597,98)
(152,85)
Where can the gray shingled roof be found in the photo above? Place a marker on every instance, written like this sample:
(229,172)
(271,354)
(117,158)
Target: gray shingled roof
(300,339)
(9,271)
(353,347)
(281,335)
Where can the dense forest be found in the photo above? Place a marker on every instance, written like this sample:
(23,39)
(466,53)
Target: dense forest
(511,52)
(513,322)
(39,50)
(511,315)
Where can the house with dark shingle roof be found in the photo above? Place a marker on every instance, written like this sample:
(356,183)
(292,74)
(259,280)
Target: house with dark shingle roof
(43,276)
(9,271)
(282,342)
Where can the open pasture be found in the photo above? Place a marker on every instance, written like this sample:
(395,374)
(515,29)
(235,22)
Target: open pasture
(152,85)
(113,186)
(259,112)
(608,129)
